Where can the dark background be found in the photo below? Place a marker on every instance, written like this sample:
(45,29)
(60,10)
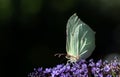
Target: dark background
(32,31)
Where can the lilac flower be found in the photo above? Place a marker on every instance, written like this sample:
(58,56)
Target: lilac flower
(59,66)
(109,75)
(91,63)
(84,66)
(47,70)
(39,69)
(73,69)
(97,70)
(55,73)
(93,70)
(105,62)
(106,68)
(81,68)
(100,74)
(99,63)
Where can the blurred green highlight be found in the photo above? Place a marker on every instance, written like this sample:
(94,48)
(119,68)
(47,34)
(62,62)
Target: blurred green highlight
(6,9)
(29,7)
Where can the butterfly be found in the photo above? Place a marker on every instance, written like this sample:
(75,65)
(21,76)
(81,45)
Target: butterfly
(80,39)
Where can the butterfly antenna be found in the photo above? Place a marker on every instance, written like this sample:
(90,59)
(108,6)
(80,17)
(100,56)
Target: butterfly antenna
(60,54)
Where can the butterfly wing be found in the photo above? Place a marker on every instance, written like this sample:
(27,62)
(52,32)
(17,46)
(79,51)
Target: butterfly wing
(80,38)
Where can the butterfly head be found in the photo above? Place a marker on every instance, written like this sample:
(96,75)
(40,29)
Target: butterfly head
(71,58)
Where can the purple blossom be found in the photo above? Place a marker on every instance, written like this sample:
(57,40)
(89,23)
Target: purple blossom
(47,70)
(109,75)
(59,66)
(40,69)
(91,63)
(72,69)
(99,63)
(93,70)
(55,72)
(106,68)
(100,74)
(105,62)
(84,66)
(81,68)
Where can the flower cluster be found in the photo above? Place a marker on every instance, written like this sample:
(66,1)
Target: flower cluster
(81,69)
(105,68)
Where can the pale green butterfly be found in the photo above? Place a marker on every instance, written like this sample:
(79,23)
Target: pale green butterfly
(80,41)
